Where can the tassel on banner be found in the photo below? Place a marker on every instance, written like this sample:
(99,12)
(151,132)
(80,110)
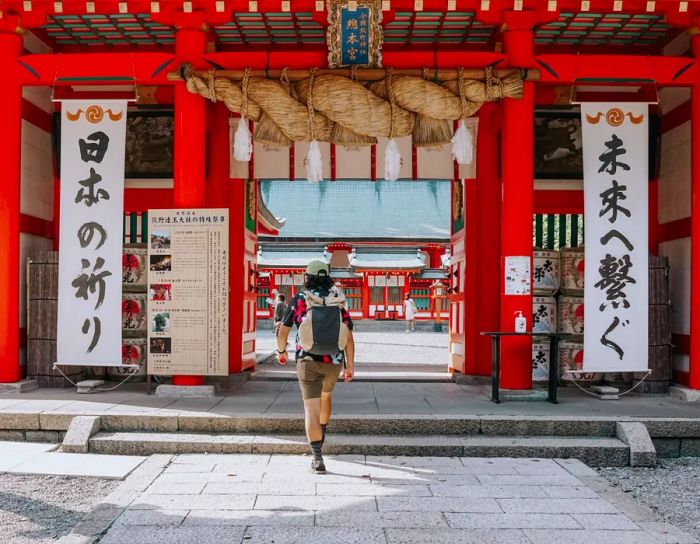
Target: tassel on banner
(314,163)
(462,144)
(242,142)
(392,161)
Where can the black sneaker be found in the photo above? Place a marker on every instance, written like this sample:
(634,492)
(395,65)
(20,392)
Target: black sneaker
(317,467)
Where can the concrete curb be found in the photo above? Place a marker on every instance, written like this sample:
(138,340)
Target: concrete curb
(683,393)
(79,432)
(636,436)
(95,524)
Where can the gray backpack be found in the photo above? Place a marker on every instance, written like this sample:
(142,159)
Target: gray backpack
(322,331)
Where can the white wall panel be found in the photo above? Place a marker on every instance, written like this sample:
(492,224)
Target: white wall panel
(270,163)
(36,172)
(354,163)
(436,162)
(674,174)
(678,253)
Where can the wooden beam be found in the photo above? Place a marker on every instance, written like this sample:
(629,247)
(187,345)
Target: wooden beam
(362,74)
(666,71)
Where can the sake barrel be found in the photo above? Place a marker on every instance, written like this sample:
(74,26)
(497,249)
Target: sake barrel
(545,276)
(571,315)
(134,314)
(544,314)
(572,269)
(571,359)
(134,268)
(540,359)
(133,353)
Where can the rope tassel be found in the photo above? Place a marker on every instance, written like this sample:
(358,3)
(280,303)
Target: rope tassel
(462,144)
(242,142)
(392,161)
(314,164)
(392,156)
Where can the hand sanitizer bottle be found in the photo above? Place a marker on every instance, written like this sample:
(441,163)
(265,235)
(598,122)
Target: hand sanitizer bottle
(520,322)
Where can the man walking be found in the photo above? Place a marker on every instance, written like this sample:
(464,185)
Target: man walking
(324,345)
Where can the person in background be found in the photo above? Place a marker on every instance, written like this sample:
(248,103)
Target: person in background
(280,311)
(409,311)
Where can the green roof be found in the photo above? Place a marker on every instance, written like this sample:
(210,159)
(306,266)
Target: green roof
(360,209)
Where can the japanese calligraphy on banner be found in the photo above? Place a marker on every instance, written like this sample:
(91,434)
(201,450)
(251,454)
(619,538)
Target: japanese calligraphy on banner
(92,200)
(354,33)
(615,172)
(188,292)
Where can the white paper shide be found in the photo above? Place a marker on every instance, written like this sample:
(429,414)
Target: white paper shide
(92,200)
(615,165)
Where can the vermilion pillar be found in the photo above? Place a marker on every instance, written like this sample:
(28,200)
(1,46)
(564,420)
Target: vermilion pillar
(517,200)
(694,380)
(11,146)
(190,143)
(488,241)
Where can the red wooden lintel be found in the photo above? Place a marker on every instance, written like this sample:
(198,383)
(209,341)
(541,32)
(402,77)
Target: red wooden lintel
(617,69)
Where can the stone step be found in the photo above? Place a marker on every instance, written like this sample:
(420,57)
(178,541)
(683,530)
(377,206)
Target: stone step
(152,420)
(378,373)
(593,451)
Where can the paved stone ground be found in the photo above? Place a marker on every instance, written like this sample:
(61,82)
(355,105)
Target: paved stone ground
(400,348)
(672,489)
(283,397)
(38,509)
(366,500)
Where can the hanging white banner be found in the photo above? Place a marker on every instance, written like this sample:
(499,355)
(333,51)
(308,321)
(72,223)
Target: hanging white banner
(616,182)
(90,252)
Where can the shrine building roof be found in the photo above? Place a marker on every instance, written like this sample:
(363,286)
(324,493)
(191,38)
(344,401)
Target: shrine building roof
(347,210)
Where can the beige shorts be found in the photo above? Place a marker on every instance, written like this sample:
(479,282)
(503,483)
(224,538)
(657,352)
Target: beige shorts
(316,377)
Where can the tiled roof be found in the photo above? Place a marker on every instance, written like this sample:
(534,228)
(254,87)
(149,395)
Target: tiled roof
(287,259)
(360,209)
(395,260)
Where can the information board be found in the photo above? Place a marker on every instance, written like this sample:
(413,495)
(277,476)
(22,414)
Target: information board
(188,260)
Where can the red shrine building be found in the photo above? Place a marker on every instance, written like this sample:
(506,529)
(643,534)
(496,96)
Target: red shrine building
(383,240)
(204,63)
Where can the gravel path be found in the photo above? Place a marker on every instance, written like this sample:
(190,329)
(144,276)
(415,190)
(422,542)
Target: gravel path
(38,509)
(672,489)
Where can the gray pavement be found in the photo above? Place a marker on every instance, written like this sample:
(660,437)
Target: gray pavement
(364,499)
(283,397)
(388,347)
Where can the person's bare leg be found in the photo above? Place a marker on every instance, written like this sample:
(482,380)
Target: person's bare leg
(312,410)
(326,403)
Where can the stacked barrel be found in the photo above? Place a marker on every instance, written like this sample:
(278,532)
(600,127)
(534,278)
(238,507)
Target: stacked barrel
(42,312)
(660,347)
(134,312)
(561,274)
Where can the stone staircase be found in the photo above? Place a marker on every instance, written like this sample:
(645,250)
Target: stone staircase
(597,442)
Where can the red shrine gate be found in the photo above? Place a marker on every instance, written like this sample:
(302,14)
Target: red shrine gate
(567,41)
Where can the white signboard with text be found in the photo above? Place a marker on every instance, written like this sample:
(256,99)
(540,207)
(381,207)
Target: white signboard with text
(188,292)
(616,182)
(90,257)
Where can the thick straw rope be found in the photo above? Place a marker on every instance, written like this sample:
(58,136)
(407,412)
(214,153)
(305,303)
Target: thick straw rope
(346,111)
